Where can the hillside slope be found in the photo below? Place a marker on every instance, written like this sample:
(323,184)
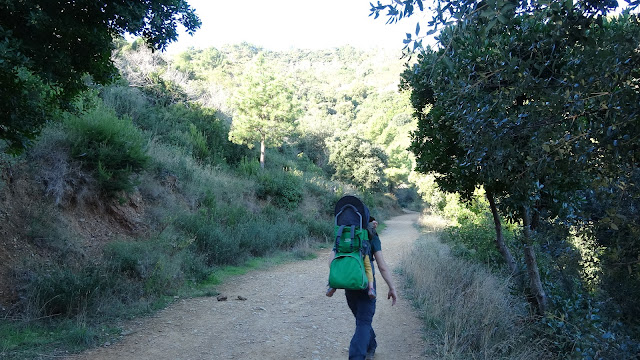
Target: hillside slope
(29,219)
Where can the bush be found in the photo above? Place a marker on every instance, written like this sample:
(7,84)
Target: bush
(211,239)
(111,147)
(249,168)
(133,274)
(317,227)
(474,237)
(164,92)
(48,231)
(62,290)
(263,236)
(199,143)
(127,102)
(408,198)
(283,188)
(63,178)
(357,161)
(228,235)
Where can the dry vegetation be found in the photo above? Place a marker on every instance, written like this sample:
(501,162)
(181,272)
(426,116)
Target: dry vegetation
(467,309)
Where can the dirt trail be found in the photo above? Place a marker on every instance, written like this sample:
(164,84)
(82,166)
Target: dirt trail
(285,316)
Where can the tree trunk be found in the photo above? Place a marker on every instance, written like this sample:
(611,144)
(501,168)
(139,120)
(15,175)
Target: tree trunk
(502,247)
(262,148)
(532,265)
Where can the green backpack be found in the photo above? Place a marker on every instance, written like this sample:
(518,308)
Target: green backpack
(351,245)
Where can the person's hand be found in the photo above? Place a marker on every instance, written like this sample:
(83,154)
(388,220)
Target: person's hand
(392,295)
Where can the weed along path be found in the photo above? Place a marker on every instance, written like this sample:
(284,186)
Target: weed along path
(285,315)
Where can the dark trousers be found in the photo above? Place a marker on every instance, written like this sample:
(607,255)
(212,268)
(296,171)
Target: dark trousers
(363,309)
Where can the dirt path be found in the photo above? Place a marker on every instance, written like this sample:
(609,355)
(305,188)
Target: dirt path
(286,316)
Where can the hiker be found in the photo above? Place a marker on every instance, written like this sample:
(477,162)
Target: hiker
(363,343)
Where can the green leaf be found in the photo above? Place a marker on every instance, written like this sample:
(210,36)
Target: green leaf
(490,25)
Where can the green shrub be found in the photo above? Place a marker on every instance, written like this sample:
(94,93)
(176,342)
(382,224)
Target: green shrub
(258,237)
(357,161)
(319,228)
(48,231)
(262,236)
(199,143)
(474,237)
(200,131)
(131,271)
(110,146)
(249,168)
(211,240)
(283,188)
(316,225)
(159,268)
(30,340)
(133,259)
(194,266)
(61,290)
(127,102)
(164,92)
(228,235)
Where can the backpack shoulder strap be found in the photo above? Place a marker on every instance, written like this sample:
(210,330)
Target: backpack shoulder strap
(353,235)
(338,236)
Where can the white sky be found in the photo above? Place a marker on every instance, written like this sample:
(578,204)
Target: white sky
(304,24)
(286,24)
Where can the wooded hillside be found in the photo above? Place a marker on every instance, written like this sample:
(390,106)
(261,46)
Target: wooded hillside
(139,192)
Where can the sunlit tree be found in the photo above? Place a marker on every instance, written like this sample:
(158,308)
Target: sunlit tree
(265,109)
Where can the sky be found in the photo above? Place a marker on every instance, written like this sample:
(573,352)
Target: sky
(287,24)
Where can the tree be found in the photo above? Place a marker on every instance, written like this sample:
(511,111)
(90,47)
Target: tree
(357,161)
(265,109)
(516,108)
(47,46)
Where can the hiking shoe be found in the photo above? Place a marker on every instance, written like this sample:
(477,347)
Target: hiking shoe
(370,354)
(372,294)
(330,292)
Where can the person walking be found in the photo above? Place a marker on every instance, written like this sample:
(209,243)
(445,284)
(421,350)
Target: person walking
(363,343)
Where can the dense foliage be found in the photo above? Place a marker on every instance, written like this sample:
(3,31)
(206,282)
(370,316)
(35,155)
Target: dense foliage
(537,102)
(47,47)
(110,147)
(357,161)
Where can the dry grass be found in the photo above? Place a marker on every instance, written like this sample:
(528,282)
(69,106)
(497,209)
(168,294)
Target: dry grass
(430,222)
(193,179)
(63,179)
(468,312)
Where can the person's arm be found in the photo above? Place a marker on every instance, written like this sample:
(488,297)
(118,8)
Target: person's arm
(386,275)
(332,256)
